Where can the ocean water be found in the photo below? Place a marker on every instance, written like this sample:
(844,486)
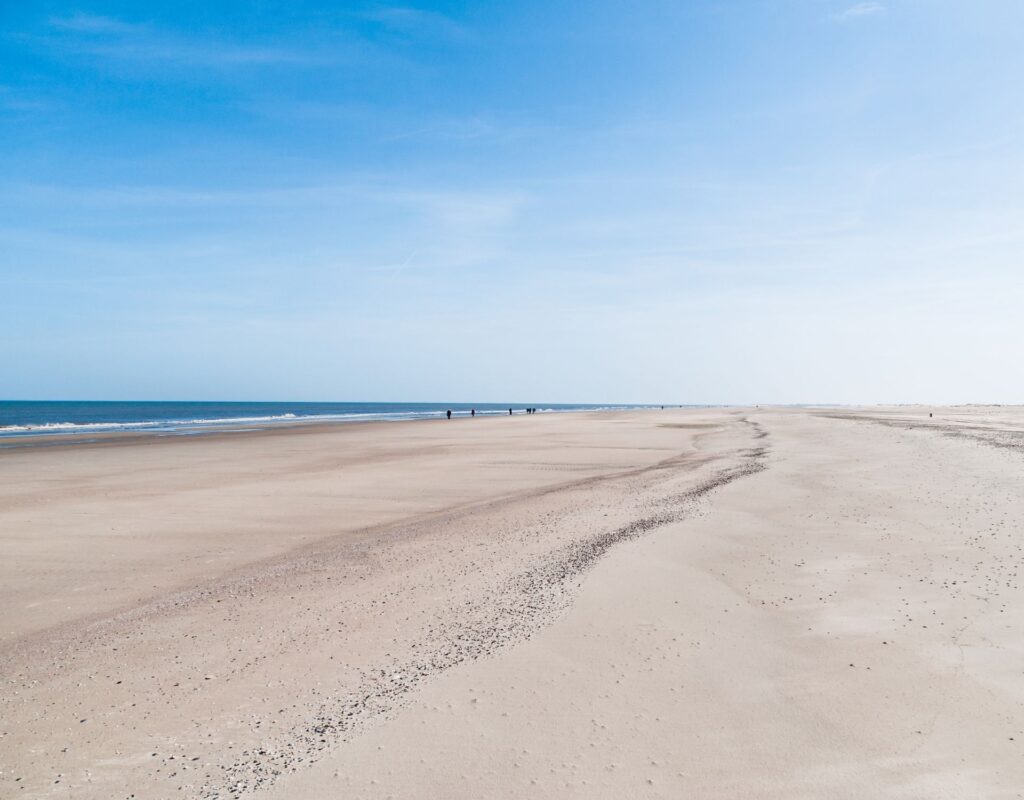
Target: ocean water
(33,418)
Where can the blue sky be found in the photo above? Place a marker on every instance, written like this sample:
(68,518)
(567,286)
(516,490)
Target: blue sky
(732,201)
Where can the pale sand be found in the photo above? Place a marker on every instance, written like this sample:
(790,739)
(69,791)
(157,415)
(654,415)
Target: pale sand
(724,603)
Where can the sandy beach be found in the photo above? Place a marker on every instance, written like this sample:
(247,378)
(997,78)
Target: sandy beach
(713,603)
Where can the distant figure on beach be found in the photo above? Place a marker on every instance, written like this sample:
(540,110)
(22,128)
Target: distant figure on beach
(472,412)
(929,415)
(510,412)
(449,413)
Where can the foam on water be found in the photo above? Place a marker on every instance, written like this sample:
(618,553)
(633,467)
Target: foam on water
(35,418)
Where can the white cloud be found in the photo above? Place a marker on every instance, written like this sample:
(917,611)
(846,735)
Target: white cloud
(860,10)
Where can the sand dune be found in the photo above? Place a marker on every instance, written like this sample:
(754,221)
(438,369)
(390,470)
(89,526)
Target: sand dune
(722,603)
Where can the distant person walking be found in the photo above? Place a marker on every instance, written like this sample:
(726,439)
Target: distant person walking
(472,412)
(510,412)
(449,413)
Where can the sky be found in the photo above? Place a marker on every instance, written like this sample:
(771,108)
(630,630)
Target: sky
(661,201)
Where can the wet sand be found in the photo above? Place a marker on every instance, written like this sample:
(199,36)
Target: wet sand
(715,603)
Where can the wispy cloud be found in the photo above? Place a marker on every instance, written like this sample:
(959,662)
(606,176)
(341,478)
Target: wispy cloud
(92,24)
(467,129)
(14,101)
(200,54)
(414,21)
(117,39)
(452,207)
(860,10)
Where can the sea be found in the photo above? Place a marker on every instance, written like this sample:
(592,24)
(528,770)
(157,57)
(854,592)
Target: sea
(20,418)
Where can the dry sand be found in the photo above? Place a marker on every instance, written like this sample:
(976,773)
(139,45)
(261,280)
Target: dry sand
(763,603)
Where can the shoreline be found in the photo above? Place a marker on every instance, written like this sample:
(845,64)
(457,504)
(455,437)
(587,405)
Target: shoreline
(37,439)
(19,440)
